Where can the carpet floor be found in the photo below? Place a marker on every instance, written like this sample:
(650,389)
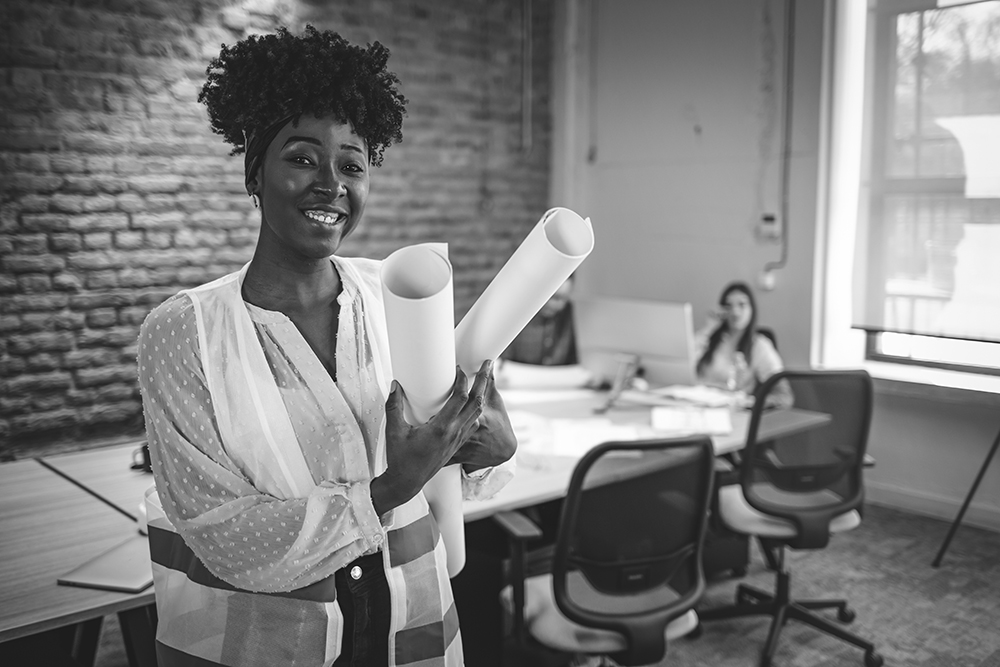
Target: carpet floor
(916,615)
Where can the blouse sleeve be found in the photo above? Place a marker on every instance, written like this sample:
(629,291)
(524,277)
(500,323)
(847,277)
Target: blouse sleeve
(246,537)
(766,362)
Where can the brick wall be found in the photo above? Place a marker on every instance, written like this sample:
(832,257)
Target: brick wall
(114,194)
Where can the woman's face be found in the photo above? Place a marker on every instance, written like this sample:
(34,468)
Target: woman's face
(313,186)
(738,310)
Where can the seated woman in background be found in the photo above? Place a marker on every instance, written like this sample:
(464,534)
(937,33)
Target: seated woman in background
(733,354)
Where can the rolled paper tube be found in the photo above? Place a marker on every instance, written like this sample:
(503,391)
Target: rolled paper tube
(550,252)
(419,312)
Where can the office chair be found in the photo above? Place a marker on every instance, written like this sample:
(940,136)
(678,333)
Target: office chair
(797,490)
(626,570)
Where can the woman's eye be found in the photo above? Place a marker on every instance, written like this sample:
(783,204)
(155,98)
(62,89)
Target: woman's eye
(353,168)
(300,159)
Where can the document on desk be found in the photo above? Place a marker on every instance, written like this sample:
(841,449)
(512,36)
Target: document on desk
(125,568)
(684,419)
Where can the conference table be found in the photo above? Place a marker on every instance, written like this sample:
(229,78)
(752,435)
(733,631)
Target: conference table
(49,525)
(59,511)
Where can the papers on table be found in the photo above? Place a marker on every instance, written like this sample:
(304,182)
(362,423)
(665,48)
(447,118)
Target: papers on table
(537,435)
(515,375)
(692,419)
(700,395)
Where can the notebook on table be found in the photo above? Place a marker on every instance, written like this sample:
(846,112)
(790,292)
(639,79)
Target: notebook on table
(125,568)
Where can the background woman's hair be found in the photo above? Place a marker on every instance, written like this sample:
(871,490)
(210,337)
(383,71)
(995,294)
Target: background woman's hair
(264,79)
(745,343)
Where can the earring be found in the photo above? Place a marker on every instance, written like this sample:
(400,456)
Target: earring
(256,202)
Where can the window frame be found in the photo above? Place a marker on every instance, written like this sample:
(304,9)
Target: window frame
(882,186)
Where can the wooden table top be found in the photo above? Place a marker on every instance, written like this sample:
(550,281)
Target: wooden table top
(48,526)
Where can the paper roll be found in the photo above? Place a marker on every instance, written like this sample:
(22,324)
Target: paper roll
(420,315)
(553,249)
(419,312)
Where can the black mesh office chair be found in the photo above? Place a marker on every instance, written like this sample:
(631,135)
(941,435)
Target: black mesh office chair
(626,571)
(797,490)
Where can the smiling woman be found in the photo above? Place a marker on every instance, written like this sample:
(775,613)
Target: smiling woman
(289,524)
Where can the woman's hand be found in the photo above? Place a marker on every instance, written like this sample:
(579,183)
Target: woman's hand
(493,442)
(415,453)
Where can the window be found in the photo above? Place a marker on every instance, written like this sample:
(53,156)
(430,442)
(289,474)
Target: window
(927,260)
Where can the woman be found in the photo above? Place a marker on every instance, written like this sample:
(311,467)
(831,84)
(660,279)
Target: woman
(294,528)
(733,354)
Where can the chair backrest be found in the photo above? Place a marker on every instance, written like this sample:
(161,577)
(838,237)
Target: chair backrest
(628,548)
(813,473)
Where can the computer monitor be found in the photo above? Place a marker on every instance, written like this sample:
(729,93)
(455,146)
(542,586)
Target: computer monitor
(659,333)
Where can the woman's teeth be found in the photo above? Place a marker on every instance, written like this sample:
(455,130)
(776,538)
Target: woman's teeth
(321,216)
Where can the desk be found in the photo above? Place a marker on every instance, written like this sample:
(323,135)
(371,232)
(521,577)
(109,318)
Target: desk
(50,526)
(542,477)
(107,473)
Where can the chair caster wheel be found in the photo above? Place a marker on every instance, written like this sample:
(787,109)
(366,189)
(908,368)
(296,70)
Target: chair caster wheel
(873,659)
(846,615)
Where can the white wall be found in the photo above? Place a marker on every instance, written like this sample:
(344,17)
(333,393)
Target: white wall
(668,131)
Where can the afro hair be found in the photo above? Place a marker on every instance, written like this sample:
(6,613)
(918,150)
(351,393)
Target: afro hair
(262,79)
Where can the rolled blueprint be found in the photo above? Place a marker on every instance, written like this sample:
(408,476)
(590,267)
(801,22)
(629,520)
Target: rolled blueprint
(550,252)
(420,319)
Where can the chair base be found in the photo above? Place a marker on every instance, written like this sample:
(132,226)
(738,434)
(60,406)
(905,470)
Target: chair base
(752,601)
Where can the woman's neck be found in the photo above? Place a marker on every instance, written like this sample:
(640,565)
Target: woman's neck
(290,287)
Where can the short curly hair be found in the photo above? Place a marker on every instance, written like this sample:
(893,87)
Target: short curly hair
(263,79)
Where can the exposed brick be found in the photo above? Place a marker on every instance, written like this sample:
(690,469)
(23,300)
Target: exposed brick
(88,301)
(45,361)
(102,317)
(166,220)
(89,377)
(68,319)
(134,315)
(9,323)
(97,221)
(107,156)
(34,283)
(65,242)
(63,163)
(158,183)
(99,280)
(110,337)
(24,303)
(29,243)
(98,241)
(129,240)
(68,282)
(110,259)
(89,357)
(39,382)
(33,263)
(44,222)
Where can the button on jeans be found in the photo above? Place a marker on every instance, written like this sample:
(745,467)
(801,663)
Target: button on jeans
(366,606)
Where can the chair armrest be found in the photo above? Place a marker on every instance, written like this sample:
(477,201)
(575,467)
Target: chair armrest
(517,526)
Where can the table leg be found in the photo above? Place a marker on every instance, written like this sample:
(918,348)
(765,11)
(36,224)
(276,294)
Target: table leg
(965,505)
(139,635)
(477,594)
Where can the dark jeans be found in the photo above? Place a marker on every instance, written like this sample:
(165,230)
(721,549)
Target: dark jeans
(366,607)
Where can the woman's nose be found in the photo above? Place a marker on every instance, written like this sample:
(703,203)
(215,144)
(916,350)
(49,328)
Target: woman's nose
(328,182)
